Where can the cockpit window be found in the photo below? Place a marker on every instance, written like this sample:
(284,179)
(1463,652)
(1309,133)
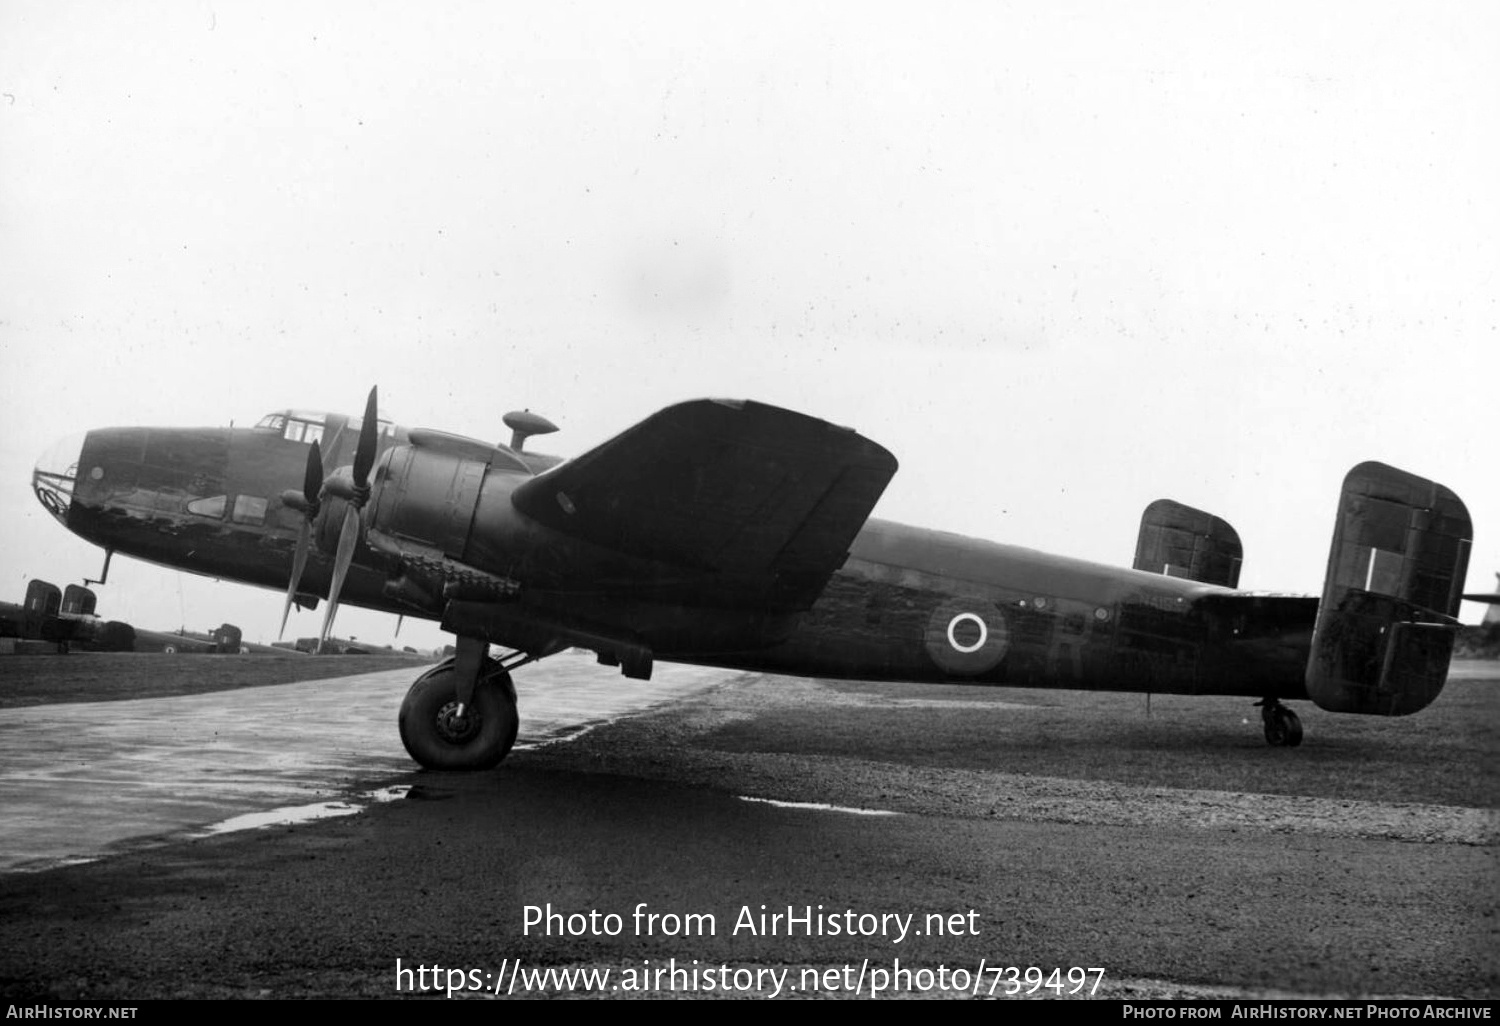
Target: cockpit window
(298,430)
(307,426)
(384,427)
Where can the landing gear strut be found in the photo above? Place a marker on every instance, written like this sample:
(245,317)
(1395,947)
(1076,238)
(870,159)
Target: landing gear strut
(1283,729)
(443,733)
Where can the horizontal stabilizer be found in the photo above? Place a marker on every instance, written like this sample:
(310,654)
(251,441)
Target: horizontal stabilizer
(763,496)
(1180,541)
(1386,627)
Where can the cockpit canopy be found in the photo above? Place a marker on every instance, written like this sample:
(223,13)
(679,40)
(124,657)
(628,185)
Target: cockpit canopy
(307,425)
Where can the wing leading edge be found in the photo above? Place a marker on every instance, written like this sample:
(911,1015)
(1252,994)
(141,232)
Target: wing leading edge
(764,497)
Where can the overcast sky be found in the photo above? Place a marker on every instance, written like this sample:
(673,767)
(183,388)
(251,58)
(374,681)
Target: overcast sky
(1061,259)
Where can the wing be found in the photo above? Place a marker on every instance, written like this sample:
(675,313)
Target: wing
(739,489)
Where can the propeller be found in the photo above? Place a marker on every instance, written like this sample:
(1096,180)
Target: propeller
(355,491)
(309,501)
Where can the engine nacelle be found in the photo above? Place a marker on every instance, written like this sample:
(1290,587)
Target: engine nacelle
(423,507)
(427,497)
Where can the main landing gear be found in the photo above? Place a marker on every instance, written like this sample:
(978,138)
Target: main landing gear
(1283,729)
(442,731)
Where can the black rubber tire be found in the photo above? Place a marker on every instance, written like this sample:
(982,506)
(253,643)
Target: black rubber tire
(1283,728)
(1293,729)
(492,720)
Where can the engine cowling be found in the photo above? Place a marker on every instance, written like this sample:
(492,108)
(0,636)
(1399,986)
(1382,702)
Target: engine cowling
(427,496)
(423,509)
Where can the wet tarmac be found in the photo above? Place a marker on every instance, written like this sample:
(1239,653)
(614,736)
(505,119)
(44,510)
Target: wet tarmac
(726,804)
(79,780)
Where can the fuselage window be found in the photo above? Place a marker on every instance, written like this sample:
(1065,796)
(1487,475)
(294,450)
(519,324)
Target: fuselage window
(213,507)
(249,509)
(293,432)
(314,433)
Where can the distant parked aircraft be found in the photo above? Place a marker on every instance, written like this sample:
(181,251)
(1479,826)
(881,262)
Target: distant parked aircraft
(1492,615)
(65,620)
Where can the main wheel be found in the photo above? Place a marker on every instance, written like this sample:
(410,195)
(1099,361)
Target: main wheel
(439,738)
(1283,728)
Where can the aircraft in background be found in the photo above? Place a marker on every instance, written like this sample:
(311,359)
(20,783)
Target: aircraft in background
(52,620)
(56,621)
(736,534)
(226,639)
(348,646)
(1491,615)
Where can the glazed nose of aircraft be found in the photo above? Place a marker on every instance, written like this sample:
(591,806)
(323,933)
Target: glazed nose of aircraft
(56,475)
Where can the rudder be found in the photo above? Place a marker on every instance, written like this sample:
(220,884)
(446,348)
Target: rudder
(1387,619)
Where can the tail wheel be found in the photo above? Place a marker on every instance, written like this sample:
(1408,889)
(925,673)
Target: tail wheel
(440,735)
(1283,728)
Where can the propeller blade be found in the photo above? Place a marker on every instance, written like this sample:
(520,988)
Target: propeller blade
(364,460)
(312,487)
(312,477)
(369,435)
(348,536)
(299,561)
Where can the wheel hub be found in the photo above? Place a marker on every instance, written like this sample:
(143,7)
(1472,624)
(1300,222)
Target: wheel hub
(457,723)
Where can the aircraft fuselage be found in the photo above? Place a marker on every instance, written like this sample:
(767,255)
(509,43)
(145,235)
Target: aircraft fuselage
(907,605)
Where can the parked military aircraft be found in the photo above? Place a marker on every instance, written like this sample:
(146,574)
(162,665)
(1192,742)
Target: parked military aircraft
(736,534)
(60,619)
(64,620)
(1492,599)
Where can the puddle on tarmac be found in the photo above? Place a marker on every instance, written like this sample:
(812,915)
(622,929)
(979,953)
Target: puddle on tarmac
(819,807)
(288,815)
